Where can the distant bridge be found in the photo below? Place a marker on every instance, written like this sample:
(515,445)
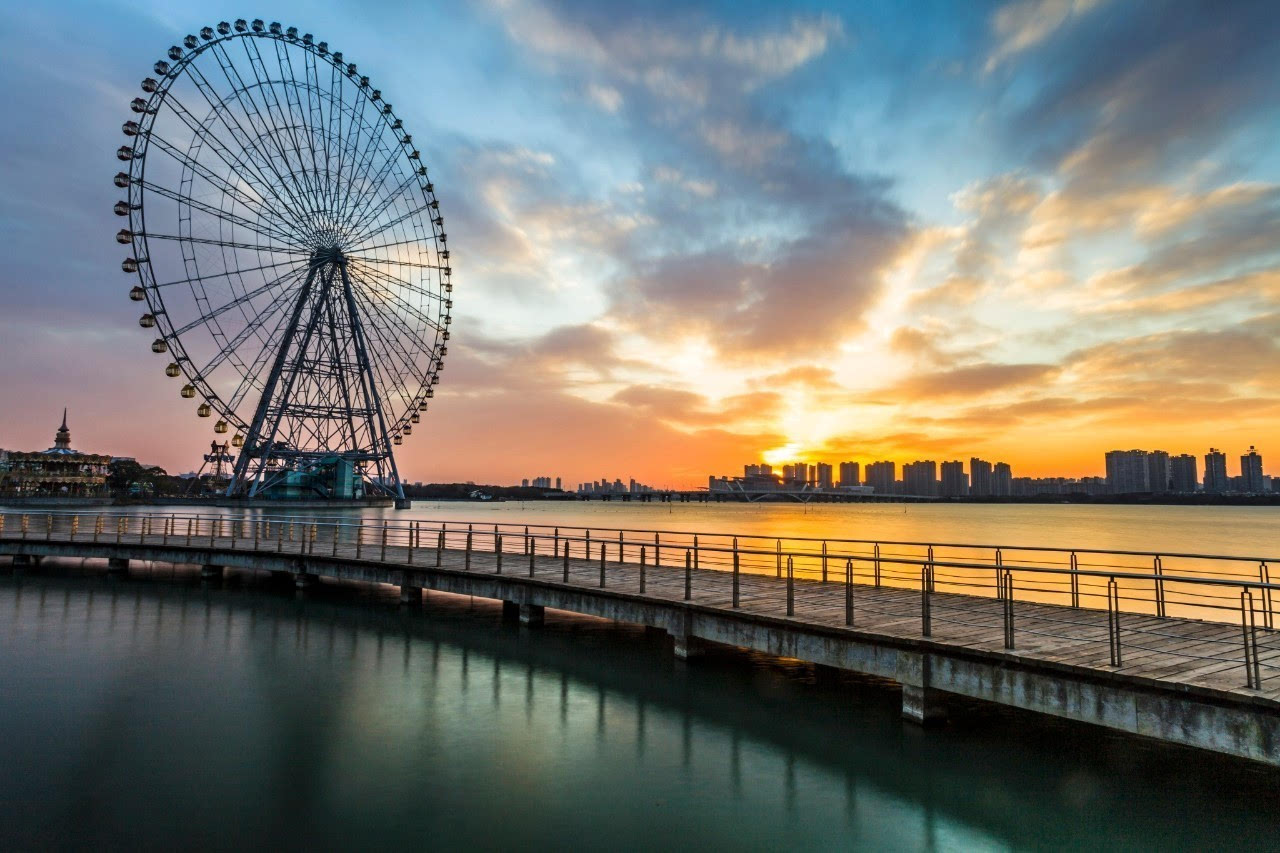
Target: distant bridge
(1180,647)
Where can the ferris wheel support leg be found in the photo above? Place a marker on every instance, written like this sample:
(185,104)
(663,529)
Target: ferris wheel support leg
(254,438)
(370,389)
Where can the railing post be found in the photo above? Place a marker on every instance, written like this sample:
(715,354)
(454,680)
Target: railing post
(688,574)
(824,561)
(119,529)
(384,540)
(791,585)
(735,571)
(315,534)
(48,527)
(279,536)
(1158,571)
(602,550)
(848,592)
(466,559)
(1008,609)
(75,526)
(695,551)
(1252,672)
(643,560)
(526,539)
(533,551)
(999,574)
(779,558)
(97,529)
(1075,580)
(439,547)
(877,558)
(555,550)
(24,524)
(1264,576)
(497,549)
(566,559)
(360,539)
(926,605)
(932,588)
(586,544)
(657,557)
(1113,621)
(334,551)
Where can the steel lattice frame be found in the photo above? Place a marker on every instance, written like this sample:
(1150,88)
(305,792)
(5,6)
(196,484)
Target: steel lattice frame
(296,266)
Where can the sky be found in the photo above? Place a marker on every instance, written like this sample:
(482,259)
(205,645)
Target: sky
(688,236)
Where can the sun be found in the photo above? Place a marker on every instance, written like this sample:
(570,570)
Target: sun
(781,455)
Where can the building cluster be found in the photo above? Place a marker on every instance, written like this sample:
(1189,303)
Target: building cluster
(617,487)
(1157,472)
(1128,472)
(540,483)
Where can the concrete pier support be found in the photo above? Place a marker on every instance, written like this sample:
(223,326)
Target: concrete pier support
(117,565)
(532,614)
(210,572)
(685,647)
(510,611)
(921,702)
(410,595)
(304,580)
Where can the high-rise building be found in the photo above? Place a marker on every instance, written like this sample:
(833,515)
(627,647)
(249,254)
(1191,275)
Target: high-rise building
(1002,480)
(1158,471)
(796,474)
(955,483)
(525,482)
(1251,471)
(557,483)
(1127,472)
(882,477)
(822,475)
(920,477)
(980,478)
(849,474)
(1215,472)
(1182,474)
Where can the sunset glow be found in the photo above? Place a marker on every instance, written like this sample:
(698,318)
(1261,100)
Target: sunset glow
(686,238)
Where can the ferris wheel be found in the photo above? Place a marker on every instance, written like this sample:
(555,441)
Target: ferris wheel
(290,250)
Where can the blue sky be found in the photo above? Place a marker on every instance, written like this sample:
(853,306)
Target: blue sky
(691,235)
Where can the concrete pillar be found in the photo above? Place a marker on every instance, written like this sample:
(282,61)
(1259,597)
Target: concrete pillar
(685,646)
(210,572)
(410,595)
(921,703)
(532,614)
(510,611)
(117,565)
(303,580)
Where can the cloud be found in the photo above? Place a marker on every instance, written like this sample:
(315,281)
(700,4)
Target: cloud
(973,380)
(1023,25)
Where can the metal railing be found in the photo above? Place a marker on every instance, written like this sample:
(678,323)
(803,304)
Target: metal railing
(952,586)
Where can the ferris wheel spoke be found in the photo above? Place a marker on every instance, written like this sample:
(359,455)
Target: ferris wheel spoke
(251,376)
(228,244)
(371,193)
(256,227)
(372,232)
(375,210)
(258,204)
(396,281)
(262,162)
(390,366)
(266,86)
(257,117)
(296,110)
(353,209)
(276,308)
(248,296)
(382,289)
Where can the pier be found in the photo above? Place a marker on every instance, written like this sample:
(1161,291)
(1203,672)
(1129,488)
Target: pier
(1180,647)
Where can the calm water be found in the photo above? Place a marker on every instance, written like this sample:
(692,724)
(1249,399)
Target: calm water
(152,712)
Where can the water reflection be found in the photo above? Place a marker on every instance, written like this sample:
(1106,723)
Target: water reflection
(157,712)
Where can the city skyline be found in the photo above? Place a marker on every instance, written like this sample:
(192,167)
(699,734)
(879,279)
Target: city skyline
(686,236)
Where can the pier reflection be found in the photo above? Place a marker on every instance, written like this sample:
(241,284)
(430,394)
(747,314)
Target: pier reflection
(156,707)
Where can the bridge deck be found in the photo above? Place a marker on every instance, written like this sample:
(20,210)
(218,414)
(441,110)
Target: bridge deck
(1176,652)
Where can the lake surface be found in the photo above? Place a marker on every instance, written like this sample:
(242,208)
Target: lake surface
(156,712)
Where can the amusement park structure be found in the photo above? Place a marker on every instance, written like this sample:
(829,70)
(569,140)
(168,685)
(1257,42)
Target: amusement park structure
(289,248)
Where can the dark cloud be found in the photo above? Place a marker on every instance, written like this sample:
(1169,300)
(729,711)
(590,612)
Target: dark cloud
(973,380)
